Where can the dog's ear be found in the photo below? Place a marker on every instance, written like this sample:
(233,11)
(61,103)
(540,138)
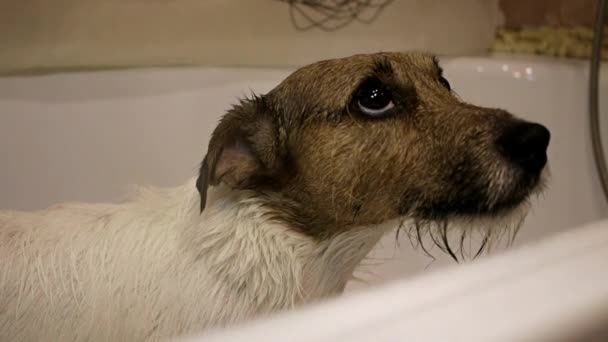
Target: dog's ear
(246,150)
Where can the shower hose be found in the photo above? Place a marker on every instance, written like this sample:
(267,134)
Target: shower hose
(594,119)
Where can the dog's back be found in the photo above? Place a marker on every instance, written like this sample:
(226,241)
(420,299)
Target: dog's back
(146,270)
(90,272)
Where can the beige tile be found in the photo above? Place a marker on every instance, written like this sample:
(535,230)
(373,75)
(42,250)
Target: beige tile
(46,34)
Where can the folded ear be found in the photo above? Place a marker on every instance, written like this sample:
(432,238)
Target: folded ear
(246,150)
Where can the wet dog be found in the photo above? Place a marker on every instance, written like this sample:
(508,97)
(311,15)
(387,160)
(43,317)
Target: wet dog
(297,186)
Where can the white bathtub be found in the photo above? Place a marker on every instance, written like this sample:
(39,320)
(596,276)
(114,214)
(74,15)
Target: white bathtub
(85,136)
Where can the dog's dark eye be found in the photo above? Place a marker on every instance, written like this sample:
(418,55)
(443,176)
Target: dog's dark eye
(445,83)
(373,98)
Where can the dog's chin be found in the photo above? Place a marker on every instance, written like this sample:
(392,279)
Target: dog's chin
(519,192)
(523,190)
(486,223)
(466,236)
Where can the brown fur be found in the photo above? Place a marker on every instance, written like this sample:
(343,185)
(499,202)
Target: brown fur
(326,166)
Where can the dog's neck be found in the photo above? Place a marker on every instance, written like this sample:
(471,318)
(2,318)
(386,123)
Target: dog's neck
(275,264)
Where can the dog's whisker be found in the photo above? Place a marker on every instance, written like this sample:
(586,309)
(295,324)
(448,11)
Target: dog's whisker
(432,231)
(463,236)
(446,243)
(484,242)
(420,239)
(430,263)
(492,234)
(516,230)
(397,232)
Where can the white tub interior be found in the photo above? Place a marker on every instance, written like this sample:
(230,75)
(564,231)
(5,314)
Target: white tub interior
(86,136)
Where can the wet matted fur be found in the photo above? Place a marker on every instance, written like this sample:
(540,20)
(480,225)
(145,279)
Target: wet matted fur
(297,186)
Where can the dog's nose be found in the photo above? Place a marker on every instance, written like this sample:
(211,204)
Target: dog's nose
(526,144)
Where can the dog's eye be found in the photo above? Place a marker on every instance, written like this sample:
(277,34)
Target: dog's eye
(373,98)
(445,83)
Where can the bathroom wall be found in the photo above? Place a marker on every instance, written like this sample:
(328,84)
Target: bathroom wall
(74,34)
(525,13)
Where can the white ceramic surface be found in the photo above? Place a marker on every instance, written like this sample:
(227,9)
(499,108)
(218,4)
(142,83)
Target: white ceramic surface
(554,290)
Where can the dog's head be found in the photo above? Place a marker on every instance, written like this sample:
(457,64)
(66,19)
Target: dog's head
(369,138)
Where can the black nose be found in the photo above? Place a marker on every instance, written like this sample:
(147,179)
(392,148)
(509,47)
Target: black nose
(526,144)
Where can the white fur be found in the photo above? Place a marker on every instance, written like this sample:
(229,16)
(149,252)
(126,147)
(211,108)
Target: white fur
(154,267)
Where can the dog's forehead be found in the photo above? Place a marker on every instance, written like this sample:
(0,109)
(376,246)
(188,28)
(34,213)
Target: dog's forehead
(329,84)
(354,66)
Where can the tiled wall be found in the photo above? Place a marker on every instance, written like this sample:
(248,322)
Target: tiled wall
(520,13)
(56,34)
